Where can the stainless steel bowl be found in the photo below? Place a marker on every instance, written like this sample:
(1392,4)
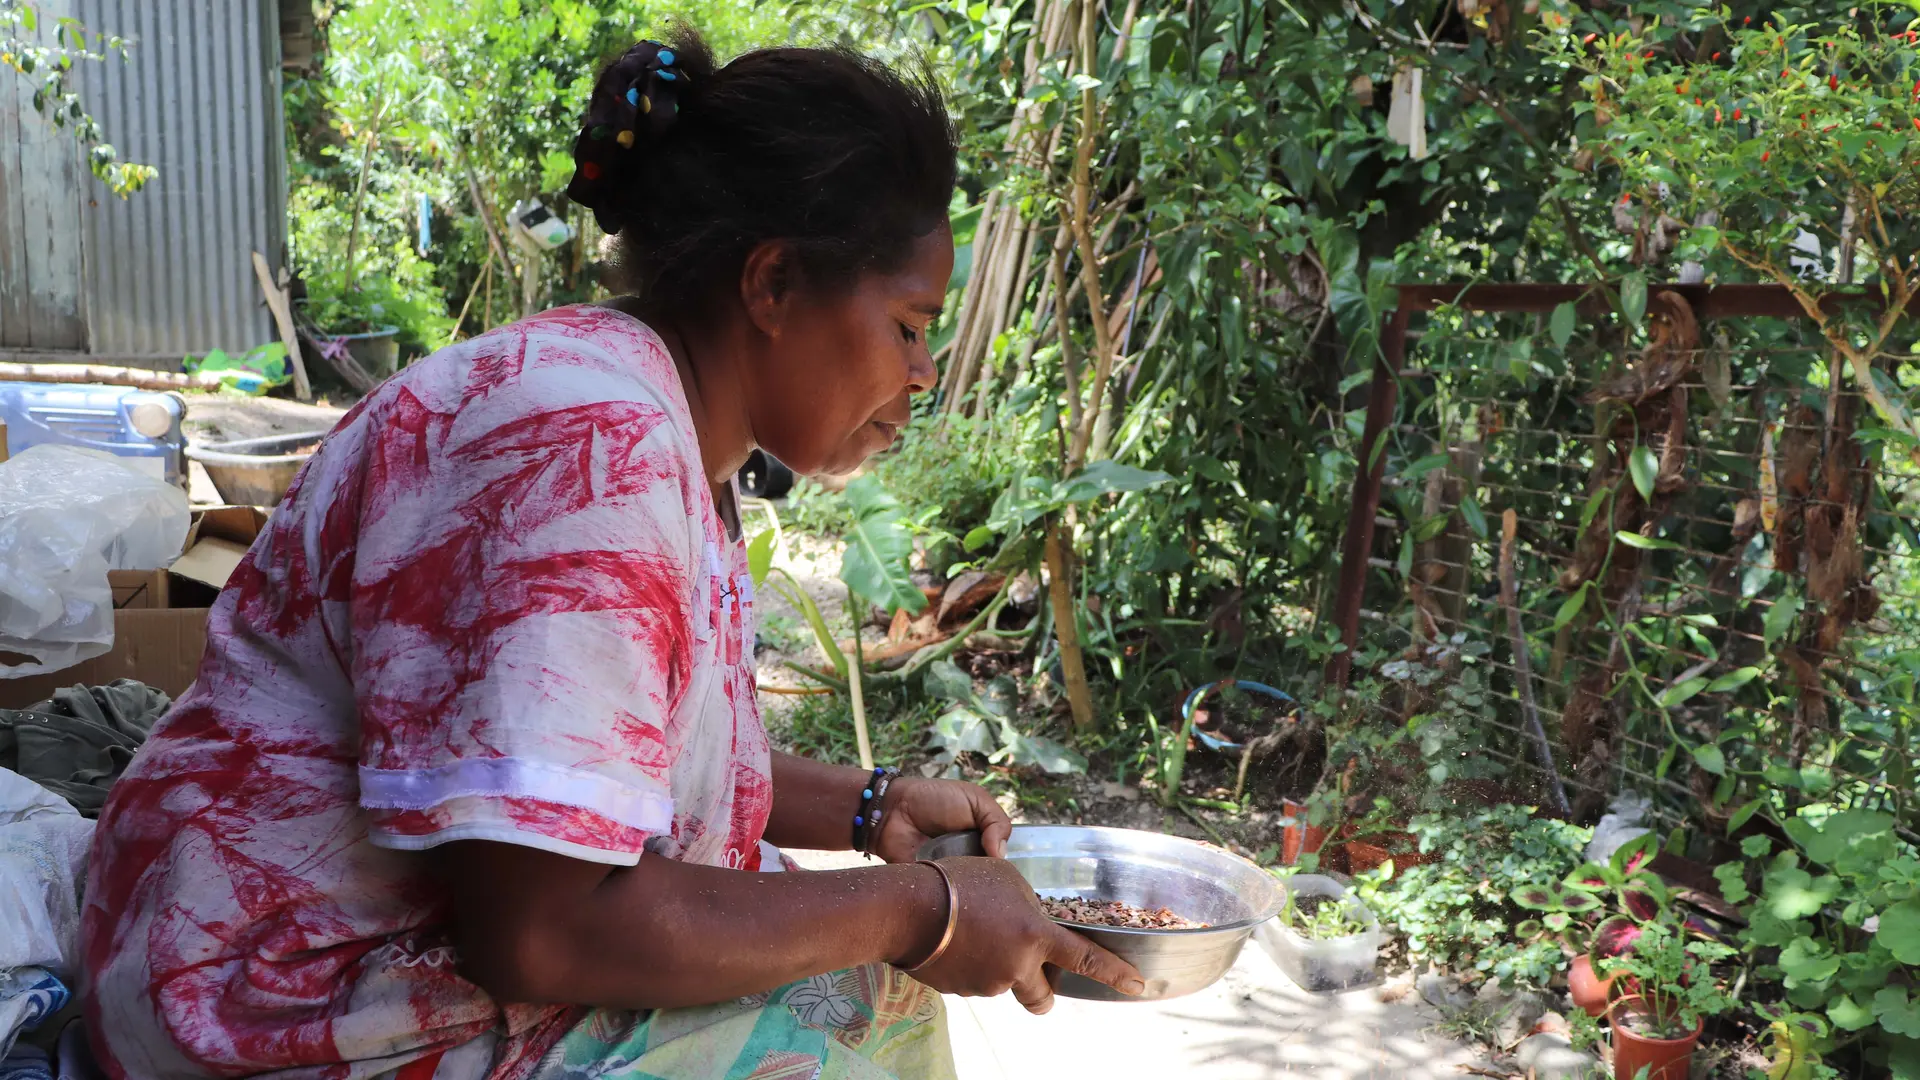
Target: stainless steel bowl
(1149,870)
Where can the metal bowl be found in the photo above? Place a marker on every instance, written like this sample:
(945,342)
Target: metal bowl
(1149,870)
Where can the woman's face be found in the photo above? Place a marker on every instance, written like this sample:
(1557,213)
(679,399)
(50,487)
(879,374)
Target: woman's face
(833,388)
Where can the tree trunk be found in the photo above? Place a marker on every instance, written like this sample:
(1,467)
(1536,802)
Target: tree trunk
(1066,625)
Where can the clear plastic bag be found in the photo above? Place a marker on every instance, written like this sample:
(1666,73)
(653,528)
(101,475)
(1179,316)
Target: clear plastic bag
(67,516)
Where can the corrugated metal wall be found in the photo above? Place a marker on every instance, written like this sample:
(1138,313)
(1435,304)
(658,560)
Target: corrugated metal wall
(41,269)
(170,271)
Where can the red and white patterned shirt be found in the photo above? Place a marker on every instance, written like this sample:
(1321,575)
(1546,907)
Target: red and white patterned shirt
(498,603)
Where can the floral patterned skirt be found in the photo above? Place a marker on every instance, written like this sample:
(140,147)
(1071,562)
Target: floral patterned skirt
(864,1023)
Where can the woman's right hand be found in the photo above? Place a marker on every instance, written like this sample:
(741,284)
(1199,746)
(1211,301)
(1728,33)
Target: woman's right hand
(1002,939)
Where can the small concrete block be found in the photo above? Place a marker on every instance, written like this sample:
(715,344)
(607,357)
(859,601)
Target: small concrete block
(1443,992)
(1552,1057)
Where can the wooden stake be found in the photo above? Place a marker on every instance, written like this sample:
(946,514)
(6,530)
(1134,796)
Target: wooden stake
(1523,666)
(283,318)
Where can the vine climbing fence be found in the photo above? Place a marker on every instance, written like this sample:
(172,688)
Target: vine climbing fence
(1682,549)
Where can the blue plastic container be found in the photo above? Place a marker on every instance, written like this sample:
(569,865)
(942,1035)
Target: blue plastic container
(140,426)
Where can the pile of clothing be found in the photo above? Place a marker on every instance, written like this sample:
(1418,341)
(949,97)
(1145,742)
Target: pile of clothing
(58,758)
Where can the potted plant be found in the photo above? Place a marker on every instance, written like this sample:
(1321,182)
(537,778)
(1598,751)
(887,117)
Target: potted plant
(1637,898)
(366,319)
(1671,992)
(1324,938)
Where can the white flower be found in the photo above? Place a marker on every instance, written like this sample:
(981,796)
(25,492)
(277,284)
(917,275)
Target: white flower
(820,1004)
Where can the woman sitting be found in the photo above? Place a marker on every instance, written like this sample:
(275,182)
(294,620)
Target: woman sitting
(473,781)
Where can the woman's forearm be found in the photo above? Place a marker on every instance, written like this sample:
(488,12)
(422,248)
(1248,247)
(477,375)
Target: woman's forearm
(534,926)
(814,803)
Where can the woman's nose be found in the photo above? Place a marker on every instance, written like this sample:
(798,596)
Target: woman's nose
(920,371)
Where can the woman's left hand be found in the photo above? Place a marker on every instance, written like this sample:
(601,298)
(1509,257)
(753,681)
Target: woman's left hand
(918,810)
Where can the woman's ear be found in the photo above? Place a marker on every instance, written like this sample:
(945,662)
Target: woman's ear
(767,281)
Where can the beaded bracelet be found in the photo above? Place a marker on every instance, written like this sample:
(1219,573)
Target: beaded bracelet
(866,821)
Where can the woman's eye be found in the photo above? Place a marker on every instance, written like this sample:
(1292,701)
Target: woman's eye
(909,333)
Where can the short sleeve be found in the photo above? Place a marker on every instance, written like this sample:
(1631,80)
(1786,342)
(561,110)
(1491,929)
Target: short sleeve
(522,616)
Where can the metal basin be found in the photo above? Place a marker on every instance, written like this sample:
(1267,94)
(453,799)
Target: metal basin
(1149,870)
(256,472)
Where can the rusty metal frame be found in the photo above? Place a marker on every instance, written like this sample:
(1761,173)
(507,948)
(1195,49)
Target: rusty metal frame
(1707,302)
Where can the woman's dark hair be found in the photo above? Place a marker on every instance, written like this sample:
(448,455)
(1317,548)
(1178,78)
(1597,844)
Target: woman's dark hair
(845,158)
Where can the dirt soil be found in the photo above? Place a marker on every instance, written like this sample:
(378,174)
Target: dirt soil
(226,417)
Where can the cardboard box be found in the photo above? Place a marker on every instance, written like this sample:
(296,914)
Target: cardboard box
(160,616)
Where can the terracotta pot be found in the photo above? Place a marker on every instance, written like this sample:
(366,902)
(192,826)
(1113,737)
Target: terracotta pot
(1298,839)
(1664,1059)
(1402,848)
(1589,990)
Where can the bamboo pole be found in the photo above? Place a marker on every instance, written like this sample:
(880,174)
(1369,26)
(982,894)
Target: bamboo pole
(138,378)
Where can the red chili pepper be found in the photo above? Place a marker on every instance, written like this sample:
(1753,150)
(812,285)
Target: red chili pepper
(1916,123)
(1828,128)
(1786,74)
(1749,21)
(1736,114)
(1716,56)
(1716,114)
(1833,82)
(1696,101)
(1765,155)
(1589,39)
(1649,55)
(1626,200)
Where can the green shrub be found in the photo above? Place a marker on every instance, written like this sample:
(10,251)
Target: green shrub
(1458,913)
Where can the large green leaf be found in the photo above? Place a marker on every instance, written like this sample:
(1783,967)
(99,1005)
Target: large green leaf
(878,547)
(1848,1014)
(1898,1013)
(1899,931)
(1633,297)
(1645,468)
(1561,325)
(946,681)
(1105,478)
(960,730)
(760,557)
(1792,893)
(1807,960)
(1780,616)
(1034,751)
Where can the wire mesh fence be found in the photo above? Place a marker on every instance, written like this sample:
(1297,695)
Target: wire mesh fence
(1710,555)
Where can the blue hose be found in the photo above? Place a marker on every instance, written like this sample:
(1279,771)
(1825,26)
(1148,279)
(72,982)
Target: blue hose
(1193,699)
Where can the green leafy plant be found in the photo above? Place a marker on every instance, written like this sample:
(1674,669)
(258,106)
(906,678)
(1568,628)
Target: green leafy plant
(375,302)
(1794,126)
(1459,913)
(983,723)
(1673,978)
(1321,917)
(1836,918)
(48,67)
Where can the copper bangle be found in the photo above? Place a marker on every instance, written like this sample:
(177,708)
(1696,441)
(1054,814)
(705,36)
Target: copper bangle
(953,917)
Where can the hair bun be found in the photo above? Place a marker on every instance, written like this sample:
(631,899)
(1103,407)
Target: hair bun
(635,102)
